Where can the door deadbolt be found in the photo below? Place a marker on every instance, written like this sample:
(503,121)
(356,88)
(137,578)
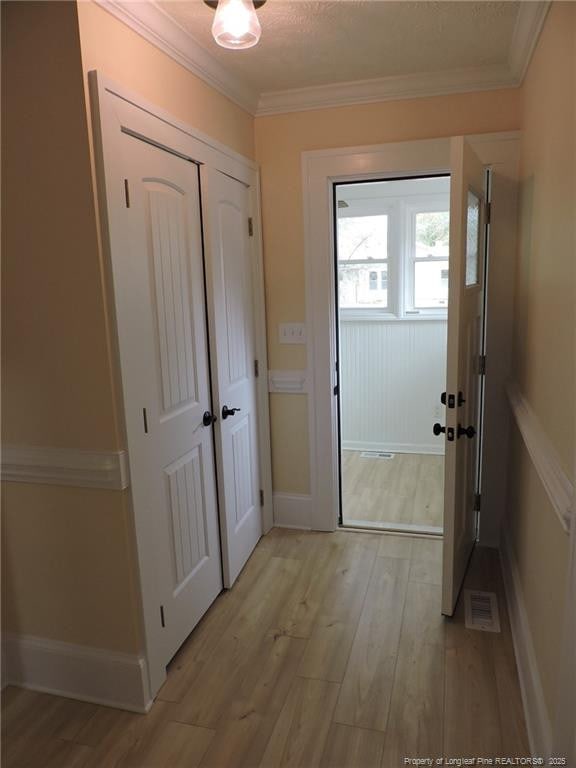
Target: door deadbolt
(438,429)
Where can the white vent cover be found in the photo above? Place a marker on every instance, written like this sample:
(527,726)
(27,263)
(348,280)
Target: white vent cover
(481,610)
(376,455)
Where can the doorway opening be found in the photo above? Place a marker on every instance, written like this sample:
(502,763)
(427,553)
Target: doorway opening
(392,273)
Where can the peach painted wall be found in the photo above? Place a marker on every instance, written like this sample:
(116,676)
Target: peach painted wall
(544,344)
(68,564)
(280,140)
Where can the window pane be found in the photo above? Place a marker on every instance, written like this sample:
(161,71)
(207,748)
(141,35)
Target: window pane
(361,286)
(472,239)
(362,238)
(432,234)
(430,284)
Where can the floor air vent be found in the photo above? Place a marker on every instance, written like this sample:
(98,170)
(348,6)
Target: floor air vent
(376,455)
(481,611)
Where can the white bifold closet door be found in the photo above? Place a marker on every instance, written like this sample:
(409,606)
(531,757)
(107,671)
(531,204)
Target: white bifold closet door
(161,316)
(230,279)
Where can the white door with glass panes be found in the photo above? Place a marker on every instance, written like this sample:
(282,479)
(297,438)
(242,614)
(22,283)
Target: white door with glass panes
(467,243)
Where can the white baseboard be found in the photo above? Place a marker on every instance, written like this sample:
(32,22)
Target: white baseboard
(535,710)
(293,510)
(425,448)
(77,672)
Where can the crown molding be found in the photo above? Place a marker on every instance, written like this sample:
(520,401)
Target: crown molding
(529,23)
(384,89)
(151,22)
(154,25)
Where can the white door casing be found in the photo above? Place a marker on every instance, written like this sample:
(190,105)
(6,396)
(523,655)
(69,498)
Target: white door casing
(465,307)
(119,116)
(320,168)
(230,278)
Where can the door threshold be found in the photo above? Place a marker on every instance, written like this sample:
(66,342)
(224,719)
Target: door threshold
(406,529)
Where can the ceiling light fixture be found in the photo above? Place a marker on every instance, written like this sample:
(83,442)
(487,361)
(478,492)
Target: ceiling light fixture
(236,24)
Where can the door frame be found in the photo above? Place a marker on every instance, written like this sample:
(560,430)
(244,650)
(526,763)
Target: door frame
(115,109)
(320,170)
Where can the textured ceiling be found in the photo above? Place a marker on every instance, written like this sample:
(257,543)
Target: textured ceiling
(316,42)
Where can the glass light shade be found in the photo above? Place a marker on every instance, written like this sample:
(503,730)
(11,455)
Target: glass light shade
(236,24)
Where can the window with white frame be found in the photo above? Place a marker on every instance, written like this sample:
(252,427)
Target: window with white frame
(363,262)
(426,262)
(393,250)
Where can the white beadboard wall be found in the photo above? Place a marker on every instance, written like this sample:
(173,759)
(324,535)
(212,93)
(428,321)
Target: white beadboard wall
(392,375)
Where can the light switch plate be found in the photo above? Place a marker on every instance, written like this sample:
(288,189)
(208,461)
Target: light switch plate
(292,333)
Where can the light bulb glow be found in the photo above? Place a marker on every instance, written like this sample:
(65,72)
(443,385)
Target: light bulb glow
(236,24)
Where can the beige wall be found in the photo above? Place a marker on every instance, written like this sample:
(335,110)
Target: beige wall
(57,389)
(69,563)
(543,362)
(545,298)
(69,560)
(280,140)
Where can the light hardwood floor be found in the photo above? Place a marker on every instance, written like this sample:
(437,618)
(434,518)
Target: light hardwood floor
(408,488)
(329,652)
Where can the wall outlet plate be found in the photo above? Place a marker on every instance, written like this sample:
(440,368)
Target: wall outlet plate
(292,333)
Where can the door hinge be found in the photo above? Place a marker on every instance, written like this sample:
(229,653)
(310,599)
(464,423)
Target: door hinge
(256,368)
(162,616)
(336,390)
(477,501)
(250,227)
(482,365)
(488,212)
(127,193)
(261,497)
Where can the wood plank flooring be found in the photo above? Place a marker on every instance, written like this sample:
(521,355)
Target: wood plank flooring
(329,652)
(408,488)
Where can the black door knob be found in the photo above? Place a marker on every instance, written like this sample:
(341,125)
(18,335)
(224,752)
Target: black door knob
(438,429)
(229,411)
(468,431)
(208,419)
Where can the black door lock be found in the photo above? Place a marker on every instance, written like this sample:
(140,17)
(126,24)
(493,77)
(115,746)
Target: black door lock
(229,411)
(468,431)
(452,400)
(438,429)
(208,419)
